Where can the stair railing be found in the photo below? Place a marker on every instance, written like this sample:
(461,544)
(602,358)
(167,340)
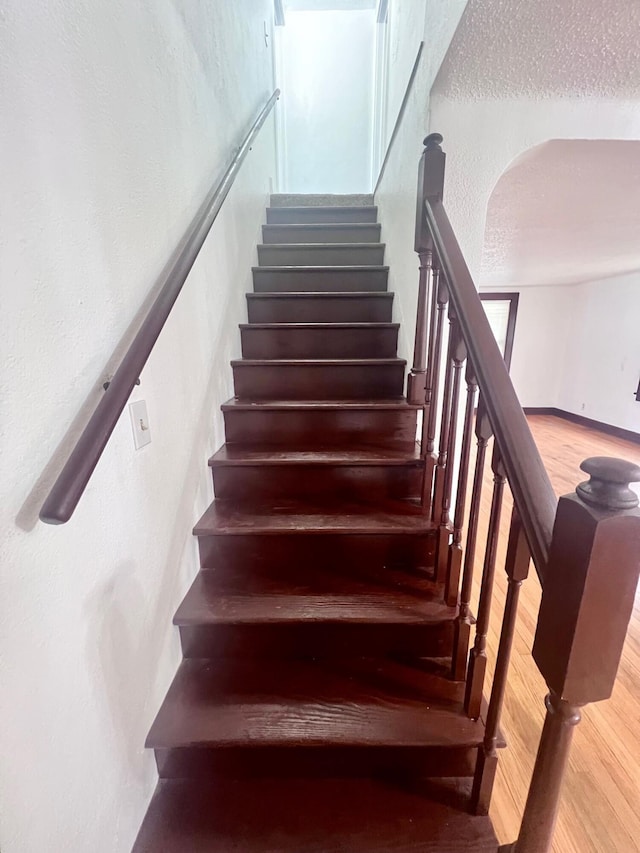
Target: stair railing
(585,547)
(72,480)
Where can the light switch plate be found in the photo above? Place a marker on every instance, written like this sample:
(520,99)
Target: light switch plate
(140,423)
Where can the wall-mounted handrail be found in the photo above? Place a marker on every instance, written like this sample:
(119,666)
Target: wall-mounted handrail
(400,116)
(526,473)
(72,480)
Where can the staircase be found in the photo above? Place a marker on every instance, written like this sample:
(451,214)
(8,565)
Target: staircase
(314,708)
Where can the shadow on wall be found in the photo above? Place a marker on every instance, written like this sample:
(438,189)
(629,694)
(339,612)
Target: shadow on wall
(124,654)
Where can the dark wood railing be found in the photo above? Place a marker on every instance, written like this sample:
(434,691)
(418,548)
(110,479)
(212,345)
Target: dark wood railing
(72,480)
(585,547)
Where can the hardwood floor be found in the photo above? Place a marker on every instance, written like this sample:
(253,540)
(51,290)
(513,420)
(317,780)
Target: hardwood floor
(599,810)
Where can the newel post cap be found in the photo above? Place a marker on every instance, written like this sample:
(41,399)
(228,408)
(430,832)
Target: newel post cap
(433,141)
(608,486)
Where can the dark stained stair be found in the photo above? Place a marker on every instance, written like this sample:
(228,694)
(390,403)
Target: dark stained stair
(314,709)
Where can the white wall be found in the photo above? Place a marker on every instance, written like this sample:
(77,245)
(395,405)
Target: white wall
(602,367)
(396,195)
(577,348)
(540,343)
(116,120)
(326,61)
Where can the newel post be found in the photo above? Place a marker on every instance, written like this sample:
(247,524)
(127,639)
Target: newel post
(430,185)
(587,601)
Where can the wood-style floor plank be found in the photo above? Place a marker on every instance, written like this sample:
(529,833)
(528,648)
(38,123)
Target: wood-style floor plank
(599,810)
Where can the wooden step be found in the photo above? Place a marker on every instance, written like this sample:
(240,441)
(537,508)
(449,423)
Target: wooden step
(294,423)
(319,340)
(318,279)
(320,254)
(353,704)
(275,611)
(313,816)
(327,379)
(331,213)
(322,232)
(301,518)
(321,200)
(312,307)
(257,473)
(337,595)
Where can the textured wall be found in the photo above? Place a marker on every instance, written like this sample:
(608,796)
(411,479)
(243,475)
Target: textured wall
(116,119)
(519,74)
(564,212)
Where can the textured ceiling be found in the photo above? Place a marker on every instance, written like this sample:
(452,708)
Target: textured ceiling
(564,212)
(544,48)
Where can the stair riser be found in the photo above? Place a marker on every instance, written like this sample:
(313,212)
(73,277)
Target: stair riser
(304,281)
(316,640)
(269,256)
(319,343)
(319,233)
(321,309)
(340,482)
(375,553)
(330,762)
(318,382)
(293,215)
(294,427)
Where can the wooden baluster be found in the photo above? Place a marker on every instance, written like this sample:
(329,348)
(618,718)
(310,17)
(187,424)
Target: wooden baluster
(462,631)
(441,464)
(478,654)
(416,381)
(436,321)
(588,594)
(458,356)
(517,569)
(454,560)
(420,383)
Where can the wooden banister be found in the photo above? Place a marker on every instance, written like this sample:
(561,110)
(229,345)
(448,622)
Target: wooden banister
(587,603)
(528,479)
(72,480)
(585,547)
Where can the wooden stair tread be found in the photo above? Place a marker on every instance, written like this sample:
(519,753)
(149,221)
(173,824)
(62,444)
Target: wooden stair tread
(321,294)
(331,268)
(329,226)
(332,200)
(326,325)
(325,207)
(284,405)
(302,246)
(312,816)
(311,703)
(400,597)
(235,454)
(322,362)
(226,517)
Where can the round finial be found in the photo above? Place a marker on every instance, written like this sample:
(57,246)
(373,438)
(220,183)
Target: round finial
(433,142)
(608,487)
